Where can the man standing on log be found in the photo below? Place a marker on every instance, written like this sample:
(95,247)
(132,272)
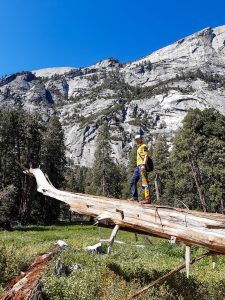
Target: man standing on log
(140,172)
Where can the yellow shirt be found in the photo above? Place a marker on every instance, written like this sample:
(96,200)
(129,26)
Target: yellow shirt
(141,152)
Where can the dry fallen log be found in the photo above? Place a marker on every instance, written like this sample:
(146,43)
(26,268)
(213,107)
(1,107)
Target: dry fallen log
(191,227)
(25,286)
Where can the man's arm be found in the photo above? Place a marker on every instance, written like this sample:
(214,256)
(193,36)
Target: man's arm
(145,159)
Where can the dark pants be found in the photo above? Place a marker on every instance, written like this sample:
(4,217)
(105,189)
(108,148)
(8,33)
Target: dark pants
(142,175)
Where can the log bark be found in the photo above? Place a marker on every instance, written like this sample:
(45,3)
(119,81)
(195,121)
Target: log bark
(24,286)
(191,227)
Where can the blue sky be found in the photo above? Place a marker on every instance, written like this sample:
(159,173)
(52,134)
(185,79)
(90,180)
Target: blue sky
(45,33)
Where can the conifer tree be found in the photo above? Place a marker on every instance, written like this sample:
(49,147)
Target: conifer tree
(7,198)
(53,152)
(30,155)
(105,177)
(19,145)
(162,174)
(54,163)
(198,158)
(76,178)
(132,163)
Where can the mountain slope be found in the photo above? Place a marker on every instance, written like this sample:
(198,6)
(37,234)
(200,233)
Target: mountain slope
(152,93)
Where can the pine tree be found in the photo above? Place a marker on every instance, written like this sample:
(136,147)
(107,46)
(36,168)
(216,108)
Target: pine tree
(53,152)
(19,145)
(76,178)
(30,156)
(7,199)
(105,177)
(132,163)
(54,163)
(198,158)
(162,174)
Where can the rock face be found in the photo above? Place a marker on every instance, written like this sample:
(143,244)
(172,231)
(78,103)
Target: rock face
(152,93)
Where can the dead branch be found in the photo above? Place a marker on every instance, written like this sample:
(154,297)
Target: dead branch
(166,276)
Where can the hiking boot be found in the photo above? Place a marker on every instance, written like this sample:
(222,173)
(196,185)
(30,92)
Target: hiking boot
(146,201)
(133,199)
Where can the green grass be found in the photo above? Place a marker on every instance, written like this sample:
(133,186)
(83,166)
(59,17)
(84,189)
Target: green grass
(113,277)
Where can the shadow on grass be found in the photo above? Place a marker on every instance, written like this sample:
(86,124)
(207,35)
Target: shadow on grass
(179,286)
(51,227)
(140,274)
(187,288)
(33,228)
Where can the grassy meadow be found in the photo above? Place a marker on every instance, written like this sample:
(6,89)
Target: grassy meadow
(114,277)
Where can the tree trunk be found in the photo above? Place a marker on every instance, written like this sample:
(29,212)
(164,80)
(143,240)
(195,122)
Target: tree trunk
(27,196)
(198,186)
(156,187)
(191,227)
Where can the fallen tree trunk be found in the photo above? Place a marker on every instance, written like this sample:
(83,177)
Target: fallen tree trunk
(25,286)
(191,227)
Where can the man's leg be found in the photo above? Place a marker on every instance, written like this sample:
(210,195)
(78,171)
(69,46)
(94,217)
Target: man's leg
(133,183)
(146,186)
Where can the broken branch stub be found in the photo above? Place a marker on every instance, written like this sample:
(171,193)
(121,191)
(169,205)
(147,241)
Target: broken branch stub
(112,237)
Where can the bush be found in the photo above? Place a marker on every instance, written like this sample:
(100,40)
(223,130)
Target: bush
(7,201)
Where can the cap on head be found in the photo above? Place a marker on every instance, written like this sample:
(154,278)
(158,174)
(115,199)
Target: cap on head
(138,136)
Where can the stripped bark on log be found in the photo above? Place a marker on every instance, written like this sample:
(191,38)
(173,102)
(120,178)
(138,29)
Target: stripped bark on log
(191,227)
(24,285)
